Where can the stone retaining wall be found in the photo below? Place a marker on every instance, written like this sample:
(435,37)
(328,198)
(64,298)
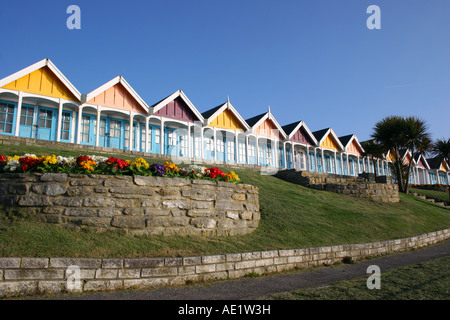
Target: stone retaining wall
(354,186)
(51,275)
(133,204)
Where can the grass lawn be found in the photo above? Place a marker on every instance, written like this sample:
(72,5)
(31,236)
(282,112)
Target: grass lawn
(424,281)
(292,216)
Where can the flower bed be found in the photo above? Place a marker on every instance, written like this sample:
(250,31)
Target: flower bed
(92,164)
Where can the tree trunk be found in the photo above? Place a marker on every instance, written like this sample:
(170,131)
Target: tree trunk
(409,172)
(399,170)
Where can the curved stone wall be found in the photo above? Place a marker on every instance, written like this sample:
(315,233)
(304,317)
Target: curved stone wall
(133,204)
(55,275)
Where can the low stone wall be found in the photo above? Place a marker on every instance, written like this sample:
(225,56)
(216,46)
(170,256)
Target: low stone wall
(133,204)
(354,186)
(53,275)
(435,187)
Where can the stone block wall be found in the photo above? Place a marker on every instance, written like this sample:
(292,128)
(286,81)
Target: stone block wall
(51,275)
(133,204)
(354,186)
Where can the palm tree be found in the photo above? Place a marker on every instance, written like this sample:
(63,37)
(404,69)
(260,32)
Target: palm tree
(388,133)
(441,149)
(396,133)
(416,139)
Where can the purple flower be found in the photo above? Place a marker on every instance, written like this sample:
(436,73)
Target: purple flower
(159,169)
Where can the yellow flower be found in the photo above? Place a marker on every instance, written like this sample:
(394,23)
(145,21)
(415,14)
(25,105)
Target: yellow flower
(88,165)
(171,166)
(49,159)
(13,158)
(140,162)
(232,176)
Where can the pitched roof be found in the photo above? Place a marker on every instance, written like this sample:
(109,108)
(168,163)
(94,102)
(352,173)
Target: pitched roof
(38,65)
(177,94)
(419,156)
(346,140)
(291,129)
(211,111)
(435,163)
(113,82)
(254,120)
(211,114)
(321,134)
(257,120)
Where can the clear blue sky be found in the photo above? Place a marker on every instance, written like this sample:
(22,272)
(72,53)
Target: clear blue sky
(312,60)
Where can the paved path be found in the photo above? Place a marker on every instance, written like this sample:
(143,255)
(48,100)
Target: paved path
(255,288)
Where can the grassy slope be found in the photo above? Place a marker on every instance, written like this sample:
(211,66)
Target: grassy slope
(292,217)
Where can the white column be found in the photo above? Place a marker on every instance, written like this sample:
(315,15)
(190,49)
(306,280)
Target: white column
(215,144)
(284,154)
(275,153)
(161,139)
(335,162)
(308,164)
(72,130)
(19,111)
(359,166)
(246,149)
(257,150)
(131,131)
(348,167)
(315,160)
(189,140)
(97,129)
(236,147)
(342,163)
(203,146)
(59,121)
(146,133)
(80,114)
(292,156)
(323,161)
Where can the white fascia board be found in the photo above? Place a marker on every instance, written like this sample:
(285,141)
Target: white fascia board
(229,106)
(331,131)
(303,124)
(272,118)
(237,115)
(424,161)
(216,114)
(111,83)
(36,66)
(172,97)
(191,105)
(354,137)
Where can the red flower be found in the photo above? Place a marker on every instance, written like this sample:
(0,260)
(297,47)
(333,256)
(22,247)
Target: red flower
(111,160)
(214,172)
(118,163)
(28,162)
(82,159)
